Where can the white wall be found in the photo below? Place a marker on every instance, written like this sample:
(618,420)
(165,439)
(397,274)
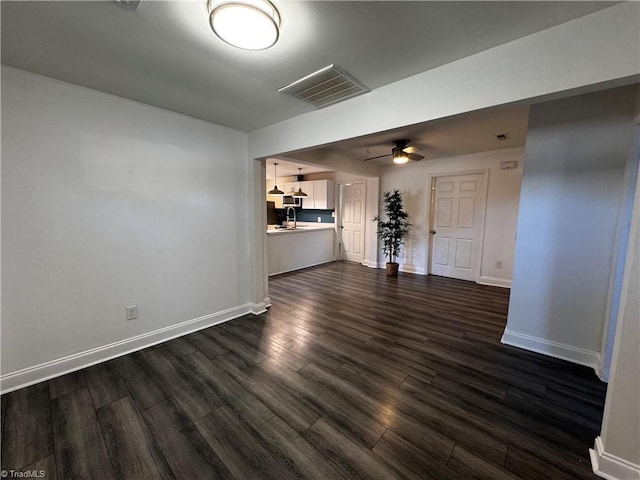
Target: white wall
(413,181)
(616,454)
(107,203)
(571,192)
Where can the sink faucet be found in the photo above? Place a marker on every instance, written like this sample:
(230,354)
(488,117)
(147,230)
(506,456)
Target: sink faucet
(294,217)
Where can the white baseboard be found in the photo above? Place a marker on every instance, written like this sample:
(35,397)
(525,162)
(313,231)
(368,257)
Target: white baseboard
(54,368)
(370,263)
(599,368)
(611,467)
(494,281)
(553,349)
(412,269)
(258,308)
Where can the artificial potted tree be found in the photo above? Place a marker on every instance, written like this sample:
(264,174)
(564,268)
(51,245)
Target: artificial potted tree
(392,231)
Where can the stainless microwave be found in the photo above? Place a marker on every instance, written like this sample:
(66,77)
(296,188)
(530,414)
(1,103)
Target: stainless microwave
(289,201)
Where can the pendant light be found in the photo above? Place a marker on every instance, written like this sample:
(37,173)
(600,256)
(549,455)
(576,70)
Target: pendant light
(299,193)
(275,190)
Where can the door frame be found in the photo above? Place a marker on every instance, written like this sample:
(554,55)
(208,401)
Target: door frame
(431,182)
(338,246)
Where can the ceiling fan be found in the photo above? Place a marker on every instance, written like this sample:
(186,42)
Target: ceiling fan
(400,152)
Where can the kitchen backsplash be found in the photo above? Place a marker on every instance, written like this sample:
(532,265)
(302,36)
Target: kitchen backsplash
(307,215)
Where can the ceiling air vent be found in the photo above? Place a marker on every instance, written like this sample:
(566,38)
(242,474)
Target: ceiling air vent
(326,86)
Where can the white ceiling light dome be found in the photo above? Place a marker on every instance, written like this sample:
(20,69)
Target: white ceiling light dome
(246,24)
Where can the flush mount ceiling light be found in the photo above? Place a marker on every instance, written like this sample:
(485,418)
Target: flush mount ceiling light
(275,190)
(246,24)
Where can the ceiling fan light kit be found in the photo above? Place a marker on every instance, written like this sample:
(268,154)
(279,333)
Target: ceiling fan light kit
(245,24)
(401,153)
(399,157)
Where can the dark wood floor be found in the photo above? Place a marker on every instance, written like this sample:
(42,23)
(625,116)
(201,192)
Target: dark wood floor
(349,375)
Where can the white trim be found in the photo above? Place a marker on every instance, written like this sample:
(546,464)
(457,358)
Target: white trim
(412,269)
(609,466)
(70,363)
(494,281)
(301,268)
(599,368)
(577,355)
(370,263)
(258,308)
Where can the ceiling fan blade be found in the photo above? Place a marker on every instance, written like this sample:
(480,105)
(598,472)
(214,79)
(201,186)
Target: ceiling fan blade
(379,156)
(411,149)
(415,156)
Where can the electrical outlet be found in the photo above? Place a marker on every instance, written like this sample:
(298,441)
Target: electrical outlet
(132,312)
(498,264)
(319,219)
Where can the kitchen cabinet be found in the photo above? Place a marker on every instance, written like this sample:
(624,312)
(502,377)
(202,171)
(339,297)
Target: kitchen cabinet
(324,196)
(308,188)
(320,195)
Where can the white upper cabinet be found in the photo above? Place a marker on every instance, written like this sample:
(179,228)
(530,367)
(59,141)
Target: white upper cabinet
(320,195)
(308,187)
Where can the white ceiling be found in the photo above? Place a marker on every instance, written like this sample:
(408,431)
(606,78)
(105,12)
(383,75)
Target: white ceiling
(165,54)
(448,137)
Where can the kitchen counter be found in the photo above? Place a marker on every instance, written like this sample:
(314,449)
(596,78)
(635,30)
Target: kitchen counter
(306,246)
(300,229)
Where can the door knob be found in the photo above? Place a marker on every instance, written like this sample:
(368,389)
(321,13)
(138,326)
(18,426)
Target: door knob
(433,232)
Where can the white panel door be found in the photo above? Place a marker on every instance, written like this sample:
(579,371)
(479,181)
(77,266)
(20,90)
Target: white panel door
(353,218)
(458,223)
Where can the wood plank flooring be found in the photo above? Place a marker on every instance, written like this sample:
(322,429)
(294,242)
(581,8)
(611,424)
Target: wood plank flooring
(350,374)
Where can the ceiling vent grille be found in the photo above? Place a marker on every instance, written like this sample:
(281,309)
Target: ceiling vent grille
(327,86)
